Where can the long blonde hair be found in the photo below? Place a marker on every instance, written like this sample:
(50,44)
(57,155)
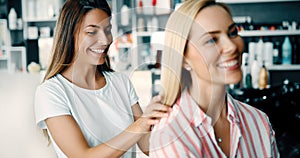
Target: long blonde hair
(176,35)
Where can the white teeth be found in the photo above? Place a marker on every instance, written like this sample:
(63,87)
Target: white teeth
(98,50)
(228,64)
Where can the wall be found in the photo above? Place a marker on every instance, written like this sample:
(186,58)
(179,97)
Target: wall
(19,135)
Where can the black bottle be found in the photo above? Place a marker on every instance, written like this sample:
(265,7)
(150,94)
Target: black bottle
(277,53)
(295,50)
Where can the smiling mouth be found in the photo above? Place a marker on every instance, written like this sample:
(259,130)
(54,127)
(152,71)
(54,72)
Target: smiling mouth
(228,64)
(98,51)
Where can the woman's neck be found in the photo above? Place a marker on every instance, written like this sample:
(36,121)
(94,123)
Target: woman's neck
(210,97)
(84,77)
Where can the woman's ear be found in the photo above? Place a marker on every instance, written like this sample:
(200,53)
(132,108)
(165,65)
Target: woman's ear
(186,66)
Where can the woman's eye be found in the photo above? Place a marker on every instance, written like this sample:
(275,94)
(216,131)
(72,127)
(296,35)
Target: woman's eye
(92,32)
(233,33)
(211,40)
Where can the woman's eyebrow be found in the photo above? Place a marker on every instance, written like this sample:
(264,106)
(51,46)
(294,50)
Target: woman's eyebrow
(231,26)
(97,26)
(92,26)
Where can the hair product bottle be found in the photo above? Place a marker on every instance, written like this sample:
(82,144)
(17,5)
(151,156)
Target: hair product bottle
(12,19)
(286,51)
(255,69)
(263,80)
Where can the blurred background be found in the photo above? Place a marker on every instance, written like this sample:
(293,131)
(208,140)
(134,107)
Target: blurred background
(271,62)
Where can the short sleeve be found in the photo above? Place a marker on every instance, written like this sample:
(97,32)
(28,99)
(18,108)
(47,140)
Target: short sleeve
(133,97)
(49,101)
(132,94)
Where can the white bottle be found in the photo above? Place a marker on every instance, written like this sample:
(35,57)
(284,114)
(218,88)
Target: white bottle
(154,23)
(124,15)
(255,69)
(141,25)
(286,51)
(12,19)
(252,50)
(260,51)
(268,54)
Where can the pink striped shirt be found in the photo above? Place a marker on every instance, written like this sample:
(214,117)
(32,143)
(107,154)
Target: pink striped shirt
(187,132)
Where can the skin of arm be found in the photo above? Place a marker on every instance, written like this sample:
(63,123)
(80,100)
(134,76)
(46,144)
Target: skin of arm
(68,136)
(143,143)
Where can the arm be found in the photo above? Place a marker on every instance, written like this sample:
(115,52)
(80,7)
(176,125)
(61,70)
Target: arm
(159,110)
(68,136)
(143,143)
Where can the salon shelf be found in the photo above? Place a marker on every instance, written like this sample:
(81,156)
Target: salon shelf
(3,58)
(269,33)
(284,67)
(14,59)
(144,33)
(124,45)
(41,20)
(254,1)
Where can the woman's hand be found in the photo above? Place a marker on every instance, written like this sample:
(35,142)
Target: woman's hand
(153,113)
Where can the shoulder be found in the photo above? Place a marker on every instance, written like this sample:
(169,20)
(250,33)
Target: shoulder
(248,111)
(117,77)
(54,85)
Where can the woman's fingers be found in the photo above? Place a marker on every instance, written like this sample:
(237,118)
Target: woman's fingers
(156,98)
(160,107)
(156,114)
(155,111)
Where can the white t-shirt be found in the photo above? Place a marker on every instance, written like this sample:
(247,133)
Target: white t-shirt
(101,114)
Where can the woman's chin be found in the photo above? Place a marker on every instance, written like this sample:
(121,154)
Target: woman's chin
(100,63)
(234,80)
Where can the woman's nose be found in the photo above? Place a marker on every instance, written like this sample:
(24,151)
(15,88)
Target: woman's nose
(229,45)
(103,38)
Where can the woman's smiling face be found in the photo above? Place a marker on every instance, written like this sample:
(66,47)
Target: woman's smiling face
(214,47)
(93,38)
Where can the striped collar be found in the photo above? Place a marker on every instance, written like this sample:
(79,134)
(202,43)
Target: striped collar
(198,117)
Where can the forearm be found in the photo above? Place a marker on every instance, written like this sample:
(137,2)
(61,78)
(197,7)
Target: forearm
(118,145)
(143,143)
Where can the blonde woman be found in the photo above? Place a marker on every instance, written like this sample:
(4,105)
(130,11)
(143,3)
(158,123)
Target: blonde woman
(87,109)
(202,55)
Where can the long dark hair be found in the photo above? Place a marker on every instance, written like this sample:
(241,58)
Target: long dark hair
(69,20)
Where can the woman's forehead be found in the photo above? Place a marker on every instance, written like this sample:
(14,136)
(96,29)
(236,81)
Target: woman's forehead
(96,17)
(211,19)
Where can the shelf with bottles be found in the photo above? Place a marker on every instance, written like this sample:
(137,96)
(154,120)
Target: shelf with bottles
(252,33)
(124,45)
(3,53)
(30,20)
(40,10)
(292,67)
(37,15)
(13,59)
(280,53)
(254,1)
(144,26)
(269,42)
(150,15)
(152,7)
(143,33)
